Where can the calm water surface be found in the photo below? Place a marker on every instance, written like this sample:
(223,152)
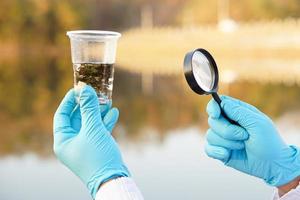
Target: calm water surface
(175,168)
(167,164)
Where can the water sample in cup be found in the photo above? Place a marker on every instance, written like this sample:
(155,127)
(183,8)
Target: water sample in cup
(93,56)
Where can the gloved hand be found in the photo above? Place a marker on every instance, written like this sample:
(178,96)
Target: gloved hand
(254,147)
(83,141)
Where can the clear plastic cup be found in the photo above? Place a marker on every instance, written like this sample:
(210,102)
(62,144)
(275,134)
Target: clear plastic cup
(93,56)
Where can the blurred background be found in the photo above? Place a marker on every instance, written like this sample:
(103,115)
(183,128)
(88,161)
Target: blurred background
(161,129)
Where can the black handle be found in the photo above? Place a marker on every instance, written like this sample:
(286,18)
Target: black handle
(218,100)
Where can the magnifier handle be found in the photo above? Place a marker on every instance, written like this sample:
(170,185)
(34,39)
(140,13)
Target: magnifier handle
(218,100)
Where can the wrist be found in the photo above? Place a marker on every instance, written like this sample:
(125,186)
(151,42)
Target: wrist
(282,190)
(100,179)
(119,188)
(109,180)
(286,169)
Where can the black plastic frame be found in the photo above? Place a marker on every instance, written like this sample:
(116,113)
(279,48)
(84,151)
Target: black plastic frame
(189,76)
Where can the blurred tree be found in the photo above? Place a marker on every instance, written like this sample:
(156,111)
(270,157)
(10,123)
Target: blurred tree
(199,12)
(47,19)
(164,12)
(203,12)
(112,14)
(264,9)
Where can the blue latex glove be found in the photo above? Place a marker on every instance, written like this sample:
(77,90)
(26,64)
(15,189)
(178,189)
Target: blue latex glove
(254,147)
(83,141)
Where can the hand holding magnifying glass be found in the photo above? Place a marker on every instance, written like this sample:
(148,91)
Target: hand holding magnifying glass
(201,73)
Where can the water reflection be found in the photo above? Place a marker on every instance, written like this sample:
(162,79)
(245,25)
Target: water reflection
(174,167)
(32,89)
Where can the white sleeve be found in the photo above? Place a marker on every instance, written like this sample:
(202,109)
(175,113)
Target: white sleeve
(119,189)
(292,195)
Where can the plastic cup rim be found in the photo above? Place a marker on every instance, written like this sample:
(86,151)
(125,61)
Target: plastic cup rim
(93,34)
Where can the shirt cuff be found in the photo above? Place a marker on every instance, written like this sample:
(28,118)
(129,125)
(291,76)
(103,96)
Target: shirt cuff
(123,188)
(291,195)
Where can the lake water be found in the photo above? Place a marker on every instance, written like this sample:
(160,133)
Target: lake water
(173,168)
(161,135)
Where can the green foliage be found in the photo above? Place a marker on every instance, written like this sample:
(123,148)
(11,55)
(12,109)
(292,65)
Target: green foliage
(34,21)
(46,20)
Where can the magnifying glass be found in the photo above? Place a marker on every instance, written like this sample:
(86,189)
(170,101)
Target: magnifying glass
(201,73)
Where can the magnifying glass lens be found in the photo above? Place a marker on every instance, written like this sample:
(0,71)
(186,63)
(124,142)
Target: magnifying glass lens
(203,71)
